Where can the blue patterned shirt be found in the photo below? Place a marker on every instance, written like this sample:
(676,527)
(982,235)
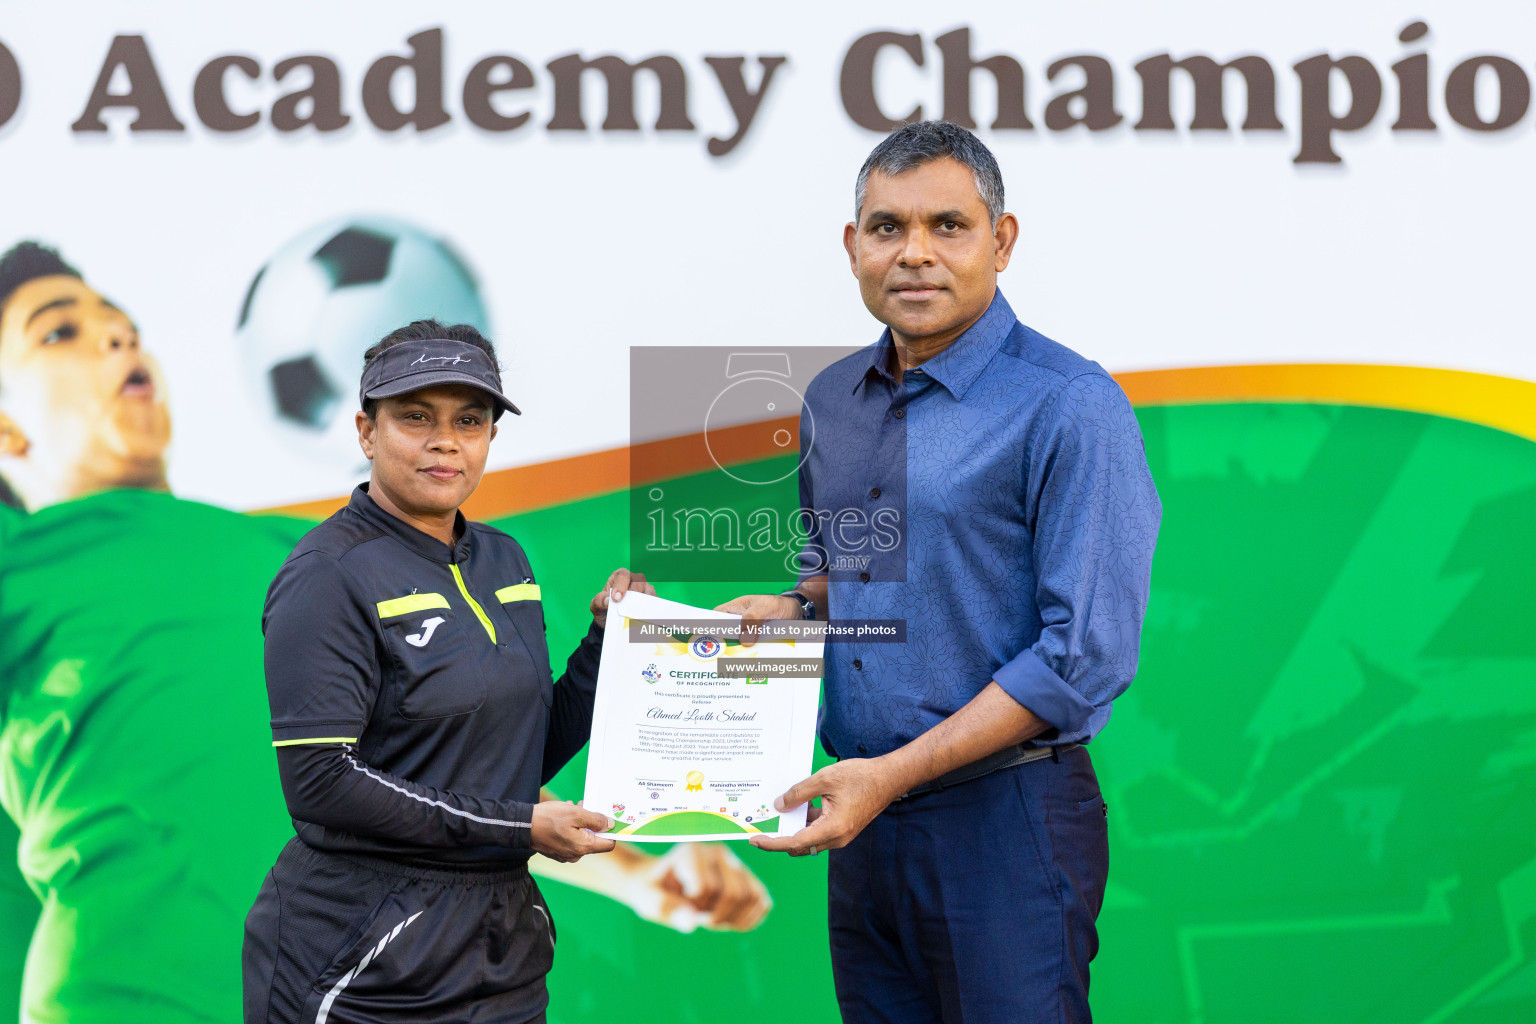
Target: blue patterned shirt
(997,499)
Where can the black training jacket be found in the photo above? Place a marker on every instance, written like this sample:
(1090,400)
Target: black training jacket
(413,709)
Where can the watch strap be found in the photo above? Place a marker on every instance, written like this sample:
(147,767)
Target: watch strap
(807,606)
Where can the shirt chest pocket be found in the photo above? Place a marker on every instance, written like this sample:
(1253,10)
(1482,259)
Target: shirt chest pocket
(437,670)
(524,607)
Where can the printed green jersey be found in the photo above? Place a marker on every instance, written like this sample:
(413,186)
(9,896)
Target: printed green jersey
(130,676)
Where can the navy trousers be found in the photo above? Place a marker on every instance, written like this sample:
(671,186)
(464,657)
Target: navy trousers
(976,903)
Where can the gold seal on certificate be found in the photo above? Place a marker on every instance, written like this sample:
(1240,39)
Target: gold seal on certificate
(694,735)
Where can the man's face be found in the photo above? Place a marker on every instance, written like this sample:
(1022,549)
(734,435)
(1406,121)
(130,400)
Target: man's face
(925,252)
(429,447)
(79,398)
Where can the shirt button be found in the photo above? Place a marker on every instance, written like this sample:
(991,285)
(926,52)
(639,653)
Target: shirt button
(858,663)
(899,413)
(863,577)
(874,492)
(862,750)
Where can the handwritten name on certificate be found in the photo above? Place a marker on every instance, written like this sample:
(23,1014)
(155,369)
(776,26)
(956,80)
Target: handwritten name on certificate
(687,747)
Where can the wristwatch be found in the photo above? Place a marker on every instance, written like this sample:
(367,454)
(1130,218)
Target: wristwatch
(807,606)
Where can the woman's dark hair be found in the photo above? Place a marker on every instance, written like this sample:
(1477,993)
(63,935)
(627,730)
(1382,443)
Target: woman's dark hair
(425,330)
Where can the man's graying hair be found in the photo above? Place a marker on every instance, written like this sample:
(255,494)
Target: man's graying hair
(916,144)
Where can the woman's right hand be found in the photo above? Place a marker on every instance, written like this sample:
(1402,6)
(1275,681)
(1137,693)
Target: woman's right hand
(620,582)
(567,832)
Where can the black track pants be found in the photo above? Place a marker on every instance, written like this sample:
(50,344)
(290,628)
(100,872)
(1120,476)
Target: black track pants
(347,939)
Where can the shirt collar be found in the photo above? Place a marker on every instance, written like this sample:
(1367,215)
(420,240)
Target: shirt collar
(878,361)
(419,541)
(958,366)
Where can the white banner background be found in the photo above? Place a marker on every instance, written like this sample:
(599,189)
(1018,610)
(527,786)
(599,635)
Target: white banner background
(1140,249)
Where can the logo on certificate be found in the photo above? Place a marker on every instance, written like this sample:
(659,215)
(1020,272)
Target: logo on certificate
(705,648)
(695,782)
(649,673)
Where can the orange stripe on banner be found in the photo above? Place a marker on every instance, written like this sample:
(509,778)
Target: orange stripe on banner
(507,492)
(1504,403)
(673,457)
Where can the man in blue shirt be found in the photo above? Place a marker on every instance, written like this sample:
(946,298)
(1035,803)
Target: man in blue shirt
(987,486)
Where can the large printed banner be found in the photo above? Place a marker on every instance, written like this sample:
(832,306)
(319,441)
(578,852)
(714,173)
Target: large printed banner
(1298,235)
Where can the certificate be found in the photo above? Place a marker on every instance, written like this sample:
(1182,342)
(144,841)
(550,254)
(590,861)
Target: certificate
(682,751)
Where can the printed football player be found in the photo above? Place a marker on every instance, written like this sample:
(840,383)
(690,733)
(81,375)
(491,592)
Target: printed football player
(128,671)
(83,408)
(136,777)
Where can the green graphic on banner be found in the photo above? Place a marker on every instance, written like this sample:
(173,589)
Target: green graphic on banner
(1322,786)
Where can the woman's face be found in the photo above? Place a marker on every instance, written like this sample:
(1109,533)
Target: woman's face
(428,447)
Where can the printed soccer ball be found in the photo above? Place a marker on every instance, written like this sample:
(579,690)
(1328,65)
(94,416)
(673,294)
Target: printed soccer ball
(319,303)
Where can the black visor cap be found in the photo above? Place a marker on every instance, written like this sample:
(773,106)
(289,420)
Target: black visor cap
(413,365)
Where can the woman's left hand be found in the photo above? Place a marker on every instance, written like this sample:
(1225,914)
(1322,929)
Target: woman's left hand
(620,583)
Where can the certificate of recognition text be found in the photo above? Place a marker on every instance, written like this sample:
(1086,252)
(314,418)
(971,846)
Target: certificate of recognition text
(682,752)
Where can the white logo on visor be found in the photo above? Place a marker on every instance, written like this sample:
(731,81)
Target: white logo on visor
(427,629)
(451,360)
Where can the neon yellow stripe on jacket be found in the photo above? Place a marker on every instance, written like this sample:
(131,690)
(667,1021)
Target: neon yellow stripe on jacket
(479,612)
(519,592)
(321,739)
(413,603)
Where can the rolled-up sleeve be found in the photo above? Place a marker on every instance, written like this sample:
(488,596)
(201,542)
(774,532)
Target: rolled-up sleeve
(1094,514)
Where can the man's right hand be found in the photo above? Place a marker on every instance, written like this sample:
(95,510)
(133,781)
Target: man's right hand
(756,609)
(566,832)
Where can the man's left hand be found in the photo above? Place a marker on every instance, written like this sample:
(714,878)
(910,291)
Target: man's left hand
(620,583)
(852,793)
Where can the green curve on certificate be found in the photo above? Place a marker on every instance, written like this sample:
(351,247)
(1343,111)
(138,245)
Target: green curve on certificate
(694,823)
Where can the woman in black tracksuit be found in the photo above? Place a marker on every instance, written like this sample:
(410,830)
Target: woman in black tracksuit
(415,717)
